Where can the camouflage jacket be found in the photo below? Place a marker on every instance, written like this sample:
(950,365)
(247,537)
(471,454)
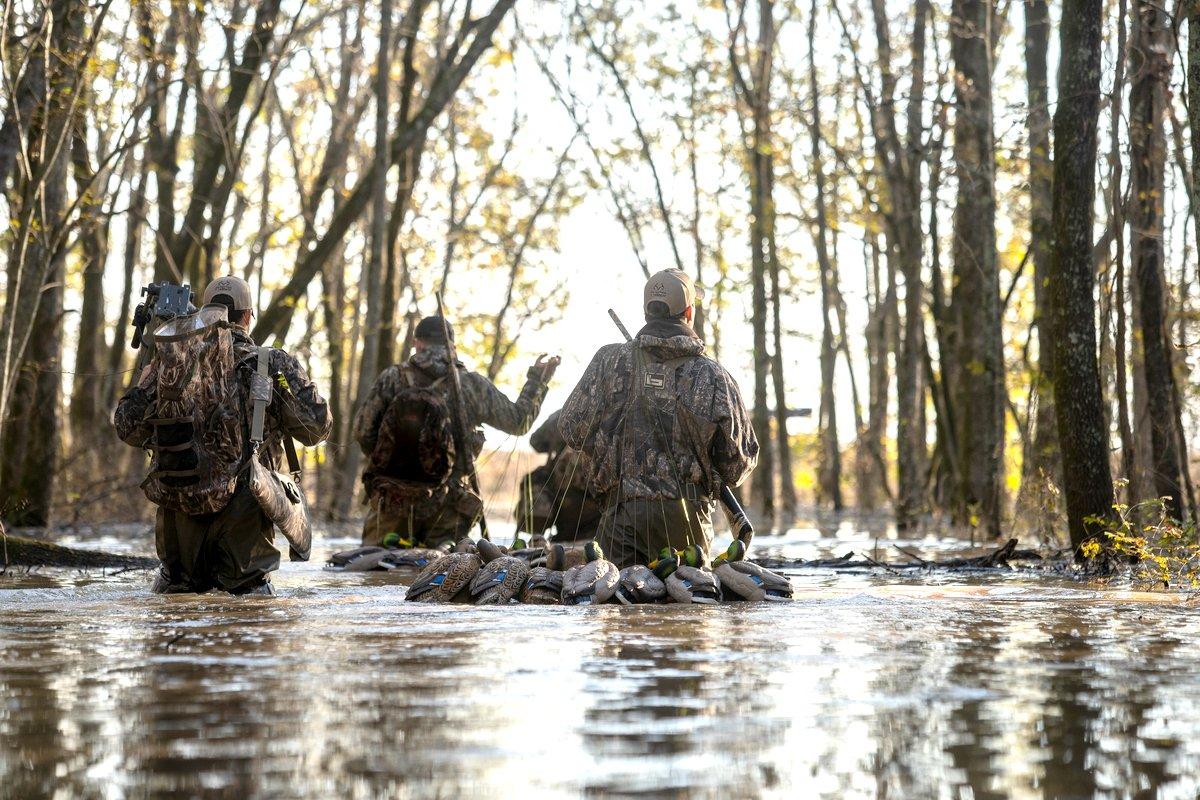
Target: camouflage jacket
(657,419)
(304,415)
(485,404)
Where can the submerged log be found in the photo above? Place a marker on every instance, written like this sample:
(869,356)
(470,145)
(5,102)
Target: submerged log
(1000,558)
(18,551)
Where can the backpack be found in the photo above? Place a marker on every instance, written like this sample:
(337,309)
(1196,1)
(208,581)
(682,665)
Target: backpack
(198,444)
(414,450)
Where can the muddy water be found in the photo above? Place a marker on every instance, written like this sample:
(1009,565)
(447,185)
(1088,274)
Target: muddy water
(866,686)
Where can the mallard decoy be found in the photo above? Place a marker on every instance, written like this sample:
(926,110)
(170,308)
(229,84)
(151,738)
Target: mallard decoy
(592,583)
(447,580)
(742,580)
(563,557)
(501,578)
(360,559)
(465,545)
(418,557)
(638,584)
(544,587)
(690,582)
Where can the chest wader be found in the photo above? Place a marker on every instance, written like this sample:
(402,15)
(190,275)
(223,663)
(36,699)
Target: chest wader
(651,439)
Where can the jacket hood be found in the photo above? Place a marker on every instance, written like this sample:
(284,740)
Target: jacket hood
(670,339)
(432,359)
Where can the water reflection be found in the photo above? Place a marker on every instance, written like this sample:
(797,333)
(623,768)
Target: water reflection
(862,688)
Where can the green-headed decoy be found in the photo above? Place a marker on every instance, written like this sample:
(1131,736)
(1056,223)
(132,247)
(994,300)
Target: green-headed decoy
(591,583)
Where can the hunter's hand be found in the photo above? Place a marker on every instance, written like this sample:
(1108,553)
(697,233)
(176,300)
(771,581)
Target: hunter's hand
(543,369)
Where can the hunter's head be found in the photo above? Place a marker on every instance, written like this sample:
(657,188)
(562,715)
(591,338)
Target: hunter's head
(234,294)
(432,332)
(671,295)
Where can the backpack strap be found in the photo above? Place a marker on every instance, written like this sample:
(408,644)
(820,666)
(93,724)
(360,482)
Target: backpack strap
(260,396)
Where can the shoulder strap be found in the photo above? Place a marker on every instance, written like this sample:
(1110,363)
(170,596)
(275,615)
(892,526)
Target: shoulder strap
(260,395)
(289,450)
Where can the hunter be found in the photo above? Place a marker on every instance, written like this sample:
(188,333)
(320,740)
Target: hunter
(556,495)
(663,426)
(230,545)
(421,388)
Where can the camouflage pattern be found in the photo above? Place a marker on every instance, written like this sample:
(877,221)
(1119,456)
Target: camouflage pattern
(197,446)
(300,411)
(659,420)
(442,516)
(232,548)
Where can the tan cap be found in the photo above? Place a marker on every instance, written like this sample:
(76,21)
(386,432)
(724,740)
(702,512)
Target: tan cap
(232,286)
(673,287)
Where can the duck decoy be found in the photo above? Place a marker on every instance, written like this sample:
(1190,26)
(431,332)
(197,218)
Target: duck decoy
(413,557)
(638,584)
(360,559)
(544,587)
(446,580)
(502,577)
(743,580)
(690,582)
(591,583)
(563,557)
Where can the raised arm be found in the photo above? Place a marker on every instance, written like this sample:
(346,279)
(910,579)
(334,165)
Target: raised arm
(487,405)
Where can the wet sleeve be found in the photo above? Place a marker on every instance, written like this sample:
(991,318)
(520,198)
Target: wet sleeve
(366,421)
(129,417)
(581,409)
(489,406)
(735,447)
(302,412)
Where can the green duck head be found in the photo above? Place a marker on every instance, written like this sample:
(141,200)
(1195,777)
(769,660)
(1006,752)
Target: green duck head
(593,552)
(735,552)
(518,544)
(693,556)
(664,565)
(395,540)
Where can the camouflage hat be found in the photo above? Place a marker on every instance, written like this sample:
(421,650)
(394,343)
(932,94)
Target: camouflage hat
(235,288)
(672,287)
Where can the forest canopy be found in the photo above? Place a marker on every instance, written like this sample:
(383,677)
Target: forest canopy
(935,223)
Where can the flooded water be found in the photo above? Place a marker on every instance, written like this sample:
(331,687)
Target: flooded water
(865,686)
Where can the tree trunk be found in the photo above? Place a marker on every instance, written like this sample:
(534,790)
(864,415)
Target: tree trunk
(829,481)
(1082,435)
(1150,70)
(762,223)
(29,443)
(87,398)
(976,294)
(368,369)
(1041,461)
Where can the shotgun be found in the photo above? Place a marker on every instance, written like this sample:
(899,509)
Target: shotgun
(459,409)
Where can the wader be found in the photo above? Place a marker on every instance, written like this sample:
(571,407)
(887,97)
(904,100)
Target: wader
(231,550)
(633,532)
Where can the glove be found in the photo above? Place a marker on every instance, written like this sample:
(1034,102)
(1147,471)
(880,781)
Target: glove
(544,368)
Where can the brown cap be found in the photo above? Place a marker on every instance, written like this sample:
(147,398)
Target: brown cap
(233,287)
(673,287)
